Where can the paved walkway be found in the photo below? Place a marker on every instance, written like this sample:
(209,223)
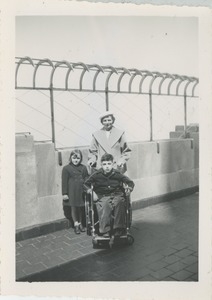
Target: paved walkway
(165,249)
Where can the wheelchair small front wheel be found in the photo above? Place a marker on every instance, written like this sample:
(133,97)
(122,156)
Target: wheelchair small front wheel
(130,239)
(111,242)
(95,244)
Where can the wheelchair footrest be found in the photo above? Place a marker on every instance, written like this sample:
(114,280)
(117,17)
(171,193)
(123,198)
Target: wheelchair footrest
(100,237)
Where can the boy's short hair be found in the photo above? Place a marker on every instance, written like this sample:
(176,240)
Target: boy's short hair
(107,157)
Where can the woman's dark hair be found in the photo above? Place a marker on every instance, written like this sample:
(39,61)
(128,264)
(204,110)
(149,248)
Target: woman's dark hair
(76,152)
(107,157)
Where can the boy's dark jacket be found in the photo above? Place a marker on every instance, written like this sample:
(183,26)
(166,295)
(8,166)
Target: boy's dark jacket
(105,184)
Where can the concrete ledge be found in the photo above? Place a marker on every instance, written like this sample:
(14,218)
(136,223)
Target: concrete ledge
(24,143)
(162,198)
(177,135)
(192,127)
(47,228)
(179,128)
(42,229)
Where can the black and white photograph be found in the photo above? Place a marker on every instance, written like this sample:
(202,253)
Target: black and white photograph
(128,87)
(107,141)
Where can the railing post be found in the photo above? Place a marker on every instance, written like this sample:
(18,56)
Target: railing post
(107,99)
(185,116)
(150,116)
(52,113)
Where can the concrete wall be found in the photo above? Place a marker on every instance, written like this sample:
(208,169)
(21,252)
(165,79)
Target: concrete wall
(170,170)
(158,168)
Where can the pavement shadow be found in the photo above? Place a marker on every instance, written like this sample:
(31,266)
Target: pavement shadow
(165,248)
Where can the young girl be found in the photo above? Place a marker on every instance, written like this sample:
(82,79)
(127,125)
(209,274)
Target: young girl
(73,177)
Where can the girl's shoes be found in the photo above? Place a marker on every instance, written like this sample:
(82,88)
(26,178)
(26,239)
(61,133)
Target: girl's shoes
(77,229)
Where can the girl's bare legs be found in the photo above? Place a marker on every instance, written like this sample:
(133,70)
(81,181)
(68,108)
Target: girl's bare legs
(77,218)
(82,229)
(74,214)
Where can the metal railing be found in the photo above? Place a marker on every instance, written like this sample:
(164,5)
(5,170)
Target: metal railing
(150,83)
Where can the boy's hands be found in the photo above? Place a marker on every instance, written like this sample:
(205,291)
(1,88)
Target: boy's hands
(95,197)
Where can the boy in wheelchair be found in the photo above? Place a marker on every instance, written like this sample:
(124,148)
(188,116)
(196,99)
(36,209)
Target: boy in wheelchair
(108,185)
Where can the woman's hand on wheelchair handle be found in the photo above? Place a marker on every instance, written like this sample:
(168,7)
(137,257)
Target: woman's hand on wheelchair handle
(91,162)
(65,198)
(127,191)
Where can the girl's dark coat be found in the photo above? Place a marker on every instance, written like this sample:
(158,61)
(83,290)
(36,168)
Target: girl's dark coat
(73,178)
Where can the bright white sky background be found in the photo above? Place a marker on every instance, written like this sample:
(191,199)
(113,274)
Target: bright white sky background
(163,44)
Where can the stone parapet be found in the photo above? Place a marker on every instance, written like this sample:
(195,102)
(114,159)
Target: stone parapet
(159,168)
(24,143)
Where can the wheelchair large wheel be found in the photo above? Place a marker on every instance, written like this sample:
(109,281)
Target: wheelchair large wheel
(128,212)
(130,215)
(87,217)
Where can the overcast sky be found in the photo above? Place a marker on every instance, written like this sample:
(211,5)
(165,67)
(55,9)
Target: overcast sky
(164,44)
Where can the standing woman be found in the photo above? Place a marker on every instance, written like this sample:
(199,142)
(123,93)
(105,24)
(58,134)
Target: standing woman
(109,140)
(73,177)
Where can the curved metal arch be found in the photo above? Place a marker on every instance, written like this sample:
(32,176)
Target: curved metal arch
(183,78)
(156,75)
(193,89)
(26,58)
(137,72)
(125,71)
(45,60)
(166,76)
(121,71)
(147,73)
(186,87)
(175,77)
(58,64)
(99,69)
(85,69)
(80,64)
(113,70)
(191,80)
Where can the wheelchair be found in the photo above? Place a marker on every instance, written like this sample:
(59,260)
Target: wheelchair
(92,224)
